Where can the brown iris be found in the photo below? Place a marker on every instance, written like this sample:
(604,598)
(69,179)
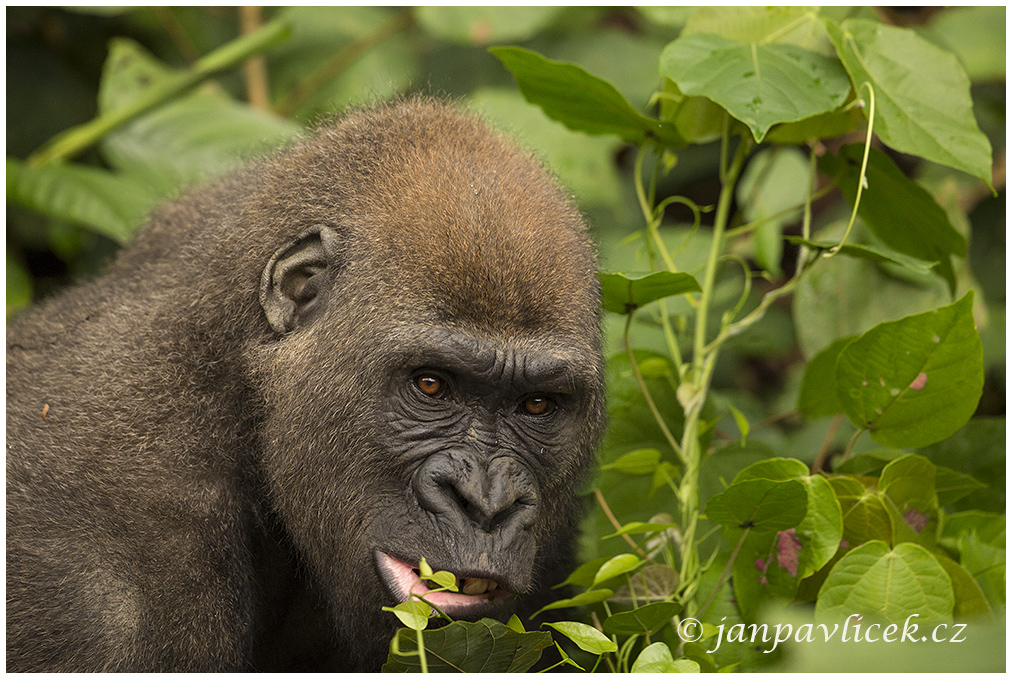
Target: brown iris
(430,385)
(538,405)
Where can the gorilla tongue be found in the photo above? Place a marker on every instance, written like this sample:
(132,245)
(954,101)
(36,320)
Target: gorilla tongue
(402,580)
(477,586)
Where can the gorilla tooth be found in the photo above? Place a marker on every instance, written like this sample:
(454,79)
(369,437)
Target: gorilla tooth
(478,586)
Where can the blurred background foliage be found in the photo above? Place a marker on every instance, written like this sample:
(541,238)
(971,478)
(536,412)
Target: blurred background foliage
(65,66)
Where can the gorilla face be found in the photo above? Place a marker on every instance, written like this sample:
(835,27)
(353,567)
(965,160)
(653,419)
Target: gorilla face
(483,430)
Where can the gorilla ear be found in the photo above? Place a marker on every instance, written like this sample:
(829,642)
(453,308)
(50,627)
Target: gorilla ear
(295,276)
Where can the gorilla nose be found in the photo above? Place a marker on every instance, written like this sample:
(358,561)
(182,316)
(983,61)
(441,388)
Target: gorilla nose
(499,496)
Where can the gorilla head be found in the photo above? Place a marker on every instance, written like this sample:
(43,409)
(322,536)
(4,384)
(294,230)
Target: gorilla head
(421,378)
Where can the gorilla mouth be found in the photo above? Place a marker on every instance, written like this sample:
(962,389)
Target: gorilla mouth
(475,592)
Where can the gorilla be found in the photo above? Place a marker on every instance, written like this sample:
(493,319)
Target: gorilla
(233,448)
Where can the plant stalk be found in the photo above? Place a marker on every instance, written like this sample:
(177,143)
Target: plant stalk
(703,361)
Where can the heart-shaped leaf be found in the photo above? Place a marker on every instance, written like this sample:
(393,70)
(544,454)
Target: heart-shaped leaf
(483,646)
(914,381)
(888,584)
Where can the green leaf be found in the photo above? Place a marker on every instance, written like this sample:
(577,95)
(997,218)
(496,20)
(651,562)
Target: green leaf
(200,136)
(952,486)
(72,141)
(774,469)
(483,646)
(652,582)
(976,35)
(19,284)
(686,666)
(648,619)
(623,293)
(444,579)
(922,96)
(989,527)
(869,463)
(639,527)
(414,614)
(818,386)
(759,84)
(128,71)
(657,658)
(697,119)
(761,504)
(908,485)
(615,566)
(970,600)
(823,126)
(514,624)
(585,636)
(821,529)
(872,253)
(581,101)
(914,381)
(109,204)
(566,660)
(909,481)
(582,599)
(637,462)
(741,421)
(865,516)
(978,449)
(799,26)
(584,574)
(897,210)
(887,584)
(484,24)
(987,563)
(845,296)
(665,474)
(775,180)
(187,139)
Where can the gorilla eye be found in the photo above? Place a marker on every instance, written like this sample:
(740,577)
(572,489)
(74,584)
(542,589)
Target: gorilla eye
(538,405)
(430,385)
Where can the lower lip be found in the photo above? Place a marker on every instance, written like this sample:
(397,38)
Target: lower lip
(403,581)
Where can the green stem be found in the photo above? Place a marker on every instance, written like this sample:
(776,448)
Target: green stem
(702,371)
(728,179)
(421,652)
(862,179)
(668,436)
(850,445)
(726,573)
(753,225)
(75,140)
(340,62)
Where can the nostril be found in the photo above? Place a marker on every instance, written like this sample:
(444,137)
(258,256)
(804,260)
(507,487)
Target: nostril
(459,499)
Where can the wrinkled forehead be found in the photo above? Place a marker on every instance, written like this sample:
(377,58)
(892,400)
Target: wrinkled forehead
(537,362)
